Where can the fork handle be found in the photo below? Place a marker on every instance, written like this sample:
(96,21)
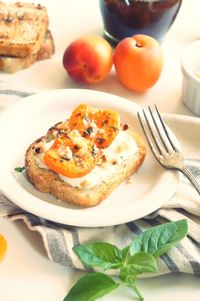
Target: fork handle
(191,178)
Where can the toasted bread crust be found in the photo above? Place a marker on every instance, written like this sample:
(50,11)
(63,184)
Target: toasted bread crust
(48,181)
(12,65)
(22,28)
(48,47)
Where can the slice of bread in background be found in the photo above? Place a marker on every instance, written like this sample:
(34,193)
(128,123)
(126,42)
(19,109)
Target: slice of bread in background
(48,48)
(12,64)
(45,180)
(22,28)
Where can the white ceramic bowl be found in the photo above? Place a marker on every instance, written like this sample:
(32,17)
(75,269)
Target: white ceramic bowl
(191,83)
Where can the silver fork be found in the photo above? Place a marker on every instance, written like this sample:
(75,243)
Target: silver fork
(162,146)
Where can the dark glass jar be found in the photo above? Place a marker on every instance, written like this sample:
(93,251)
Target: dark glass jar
(123,18)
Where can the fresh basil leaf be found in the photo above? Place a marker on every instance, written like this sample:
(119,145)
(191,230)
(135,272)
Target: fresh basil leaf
(91,287)
(99,254)
(159,239)
(20,169)
(125,252)
(139,263)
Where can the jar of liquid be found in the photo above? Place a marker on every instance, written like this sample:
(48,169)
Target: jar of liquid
(124,18)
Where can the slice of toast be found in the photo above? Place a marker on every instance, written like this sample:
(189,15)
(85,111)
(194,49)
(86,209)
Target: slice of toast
(22,28)
(14,64)
(45,180)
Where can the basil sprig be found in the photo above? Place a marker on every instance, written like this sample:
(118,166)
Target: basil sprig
(137,258)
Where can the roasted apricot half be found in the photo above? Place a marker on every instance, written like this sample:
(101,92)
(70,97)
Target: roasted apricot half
(72,156)
(99,126)
(81,117)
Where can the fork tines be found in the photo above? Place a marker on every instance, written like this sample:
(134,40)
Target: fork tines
(156,132)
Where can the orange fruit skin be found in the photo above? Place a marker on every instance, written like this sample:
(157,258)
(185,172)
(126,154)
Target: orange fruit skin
(138,62)
(88,59)
(76,120)
(106,120)
(3,247)
(77,167)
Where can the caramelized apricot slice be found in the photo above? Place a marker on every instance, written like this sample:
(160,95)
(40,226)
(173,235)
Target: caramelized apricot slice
(81,118)
(108,123)
(100,126)
(72,156)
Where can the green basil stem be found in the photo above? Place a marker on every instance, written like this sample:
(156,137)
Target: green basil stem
(137,290)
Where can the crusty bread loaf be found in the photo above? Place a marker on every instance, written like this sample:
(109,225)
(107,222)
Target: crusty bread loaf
(14,64)
(45,180)
(22,28)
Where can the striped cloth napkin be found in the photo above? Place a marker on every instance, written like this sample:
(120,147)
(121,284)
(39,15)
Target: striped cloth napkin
(59,239)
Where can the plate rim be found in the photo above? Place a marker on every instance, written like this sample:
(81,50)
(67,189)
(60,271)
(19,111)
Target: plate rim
(92,223)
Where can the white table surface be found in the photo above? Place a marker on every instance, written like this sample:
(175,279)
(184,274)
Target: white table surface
(26,273)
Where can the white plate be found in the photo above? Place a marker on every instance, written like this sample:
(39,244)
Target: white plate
(30,118)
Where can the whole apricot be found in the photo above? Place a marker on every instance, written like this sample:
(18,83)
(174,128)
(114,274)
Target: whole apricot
(138,62)
(88,59)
